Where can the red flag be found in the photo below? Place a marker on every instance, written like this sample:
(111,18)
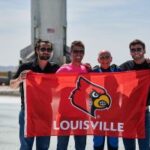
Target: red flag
(86,104)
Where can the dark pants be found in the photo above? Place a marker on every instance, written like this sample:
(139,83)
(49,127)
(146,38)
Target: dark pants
(42,142)
(144,144)
(112,143)
(80,142)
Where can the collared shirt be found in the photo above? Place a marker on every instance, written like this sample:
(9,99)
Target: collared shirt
(33,66)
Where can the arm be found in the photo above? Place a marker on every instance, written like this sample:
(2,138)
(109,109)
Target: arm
(14,83)
(88,67)
(128,65)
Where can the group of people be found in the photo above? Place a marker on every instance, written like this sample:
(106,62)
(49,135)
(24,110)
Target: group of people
(43,51)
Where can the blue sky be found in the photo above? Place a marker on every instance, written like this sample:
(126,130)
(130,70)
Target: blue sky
(100,24)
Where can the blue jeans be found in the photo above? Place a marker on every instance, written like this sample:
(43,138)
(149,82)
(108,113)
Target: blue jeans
(42,143)
(80,142)
(144,144)
(99,141)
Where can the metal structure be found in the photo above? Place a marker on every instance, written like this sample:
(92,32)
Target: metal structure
(48,22)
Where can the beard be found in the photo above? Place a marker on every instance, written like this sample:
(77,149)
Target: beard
(44,57)
(137,57)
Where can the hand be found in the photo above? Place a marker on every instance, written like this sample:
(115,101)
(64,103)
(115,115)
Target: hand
(14,83)
(23,75)
(88,66)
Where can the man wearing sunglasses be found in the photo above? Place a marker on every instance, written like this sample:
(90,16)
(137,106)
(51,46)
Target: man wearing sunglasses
(104,60)
(43,51)
(137,51)
(76,66)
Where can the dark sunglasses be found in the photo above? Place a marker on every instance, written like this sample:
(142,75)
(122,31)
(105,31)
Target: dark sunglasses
(45,49)
(78,51)
(133,50)
(105,57)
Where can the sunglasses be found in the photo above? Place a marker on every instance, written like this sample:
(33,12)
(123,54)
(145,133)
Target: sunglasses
(45,49)
(133,50)
(78,51)
(104,57)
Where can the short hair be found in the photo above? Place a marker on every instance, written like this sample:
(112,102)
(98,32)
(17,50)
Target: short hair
(137,41)
(77,43)
(38,43)
(104,52)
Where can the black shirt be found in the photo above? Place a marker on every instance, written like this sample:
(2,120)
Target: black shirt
(131,65)
(33,66)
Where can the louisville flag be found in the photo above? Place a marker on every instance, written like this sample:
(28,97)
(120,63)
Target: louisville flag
(111,104)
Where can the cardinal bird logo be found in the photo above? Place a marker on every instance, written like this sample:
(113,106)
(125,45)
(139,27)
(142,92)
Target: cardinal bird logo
(89,97)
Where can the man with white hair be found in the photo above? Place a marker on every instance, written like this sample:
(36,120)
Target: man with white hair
(104,60)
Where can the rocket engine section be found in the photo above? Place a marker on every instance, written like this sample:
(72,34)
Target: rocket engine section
(48,22)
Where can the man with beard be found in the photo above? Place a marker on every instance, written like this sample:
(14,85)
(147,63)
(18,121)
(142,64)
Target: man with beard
(139,62)
(43,51)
